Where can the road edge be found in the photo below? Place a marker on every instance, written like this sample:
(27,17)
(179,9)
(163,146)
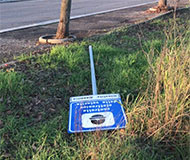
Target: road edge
(72,18)
(4,65)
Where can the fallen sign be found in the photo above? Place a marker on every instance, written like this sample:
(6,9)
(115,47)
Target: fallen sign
(97,111)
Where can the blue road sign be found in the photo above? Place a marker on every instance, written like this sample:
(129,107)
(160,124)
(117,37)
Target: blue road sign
(96,112)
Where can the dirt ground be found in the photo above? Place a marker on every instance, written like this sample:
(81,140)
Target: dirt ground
(25,41)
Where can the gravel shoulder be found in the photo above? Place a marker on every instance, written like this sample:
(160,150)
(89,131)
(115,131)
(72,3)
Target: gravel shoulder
(25,41)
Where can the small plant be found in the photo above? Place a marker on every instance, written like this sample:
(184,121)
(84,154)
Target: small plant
(12,87)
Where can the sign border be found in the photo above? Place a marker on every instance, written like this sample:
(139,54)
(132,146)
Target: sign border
(70,111)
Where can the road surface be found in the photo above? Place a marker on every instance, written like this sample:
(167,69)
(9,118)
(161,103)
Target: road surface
(18,14)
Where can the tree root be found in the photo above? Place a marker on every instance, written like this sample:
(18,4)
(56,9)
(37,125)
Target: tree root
(159,9)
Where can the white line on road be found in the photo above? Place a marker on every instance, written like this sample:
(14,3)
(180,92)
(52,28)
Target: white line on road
(73,17)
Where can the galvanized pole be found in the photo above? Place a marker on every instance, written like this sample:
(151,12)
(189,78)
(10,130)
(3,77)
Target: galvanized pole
(93,78)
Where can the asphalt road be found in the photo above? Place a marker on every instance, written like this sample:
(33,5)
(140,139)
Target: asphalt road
(18,14)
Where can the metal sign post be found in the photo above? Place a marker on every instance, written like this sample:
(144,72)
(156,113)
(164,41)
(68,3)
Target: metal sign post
(97,111)
(93,78)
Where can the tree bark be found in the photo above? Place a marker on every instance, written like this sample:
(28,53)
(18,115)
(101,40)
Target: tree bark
(63,26)
(162,3)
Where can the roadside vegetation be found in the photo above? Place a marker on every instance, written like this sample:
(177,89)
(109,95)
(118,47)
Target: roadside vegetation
(148,64)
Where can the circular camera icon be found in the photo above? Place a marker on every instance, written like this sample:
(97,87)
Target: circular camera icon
(97,119)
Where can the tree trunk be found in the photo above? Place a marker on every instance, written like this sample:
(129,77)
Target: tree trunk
(63,26)
(162,3)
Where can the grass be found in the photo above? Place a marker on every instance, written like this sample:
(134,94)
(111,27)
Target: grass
(147,64)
